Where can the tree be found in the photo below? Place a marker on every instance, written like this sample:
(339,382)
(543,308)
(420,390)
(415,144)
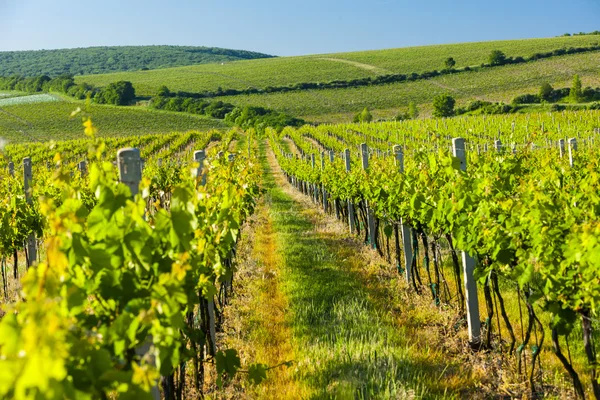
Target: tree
(575,92)
(413,111)
(450,63)
(119,93)
(497,57)
(163,91)
(443,106)
(364,116)
(546,91)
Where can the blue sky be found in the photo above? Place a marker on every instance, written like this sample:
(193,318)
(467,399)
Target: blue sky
(286,27)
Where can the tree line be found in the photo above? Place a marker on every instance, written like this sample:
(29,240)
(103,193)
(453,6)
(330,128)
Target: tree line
(443,105)
(118,93)
(246,117)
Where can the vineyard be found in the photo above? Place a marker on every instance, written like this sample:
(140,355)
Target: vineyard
(41,122)
(262,73)
(494,84)
(517,196)
(437,258)
(132,262)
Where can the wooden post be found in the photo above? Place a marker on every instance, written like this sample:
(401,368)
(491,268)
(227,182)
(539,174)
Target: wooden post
(370,219)
(572,150)
(11,169)
(472,302)
(199,157)
(406,231)
(130,168)
(27,178)
(350,205)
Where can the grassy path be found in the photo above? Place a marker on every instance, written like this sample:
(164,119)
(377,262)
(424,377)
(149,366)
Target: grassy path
(307,295)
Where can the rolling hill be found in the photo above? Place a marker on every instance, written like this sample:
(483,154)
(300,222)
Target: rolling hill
(280,71)
(97,60)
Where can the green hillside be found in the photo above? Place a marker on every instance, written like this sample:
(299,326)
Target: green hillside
(492,84)
(52,121)
(329,67)
(97,60)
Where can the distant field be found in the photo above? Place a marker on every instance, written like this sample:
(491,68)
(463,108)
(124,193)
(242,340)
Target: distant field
(494,84)
(34,98)
(52,121)
(328,67)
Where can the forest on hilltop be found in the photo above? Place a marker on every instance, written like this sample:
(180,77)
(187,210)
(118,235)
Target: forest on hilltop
(97,60)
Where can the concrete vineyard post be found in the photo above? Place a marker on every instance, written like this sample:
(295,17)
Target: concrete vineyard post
(27,178)
(370,220)
(406,231)
(313,185)
(130,168)
(498,145)
(129,164)
(472,303)
(350,205)
(11,169)
(336,203)
(561,147)
(399,158)
(322,184)
(572,150)
(82,167)
(199,157)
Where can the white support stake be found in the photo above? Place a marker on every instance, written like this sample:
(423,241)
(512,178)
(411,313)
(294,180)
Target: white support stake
(572,150)
(472,302)
(561,147)
(498,145)
(130,168)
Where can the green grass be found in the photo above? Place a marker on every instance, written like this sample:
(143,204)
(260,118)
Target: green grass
(327,67)
(348,344)
(493,84)
(52,121)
